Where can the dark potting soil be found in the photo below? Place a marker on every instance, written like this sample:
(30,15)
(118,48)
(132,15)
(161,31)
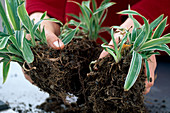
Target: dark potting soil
(105,88)
(58,71)
(101,90)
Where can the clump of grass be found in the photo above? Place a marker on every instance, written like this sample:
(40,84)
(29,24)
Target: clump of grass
(14,46)
(143,41)
(89,22)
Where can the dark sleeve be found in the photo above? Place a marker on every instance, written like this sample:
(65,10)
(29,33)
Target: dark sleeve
(54,8)
(151,9)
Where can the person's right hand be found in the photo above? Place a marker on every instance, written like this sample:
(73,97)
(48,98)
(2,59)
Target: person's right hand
(52,30)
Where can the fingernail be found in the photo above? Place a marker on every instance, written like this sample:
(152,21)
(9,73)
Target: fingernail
(56,43)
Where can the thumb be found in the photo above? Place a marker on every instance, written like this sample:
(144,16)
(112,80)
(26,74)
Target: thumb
(53,41)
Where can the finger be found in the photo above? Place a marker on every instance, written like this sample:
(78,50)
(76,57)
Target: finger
(28,36)
(27,77)
(103,54)
(147,90)
(54,42)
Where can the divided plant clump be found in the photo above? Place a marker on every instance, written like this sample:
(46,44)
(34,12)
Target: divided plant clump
(107,87)
(119,81)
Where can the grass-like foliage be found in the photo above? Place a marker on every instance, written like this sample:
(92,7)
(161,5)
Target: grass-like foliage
(13,43)
(14,46)
(90,20)
(143,41)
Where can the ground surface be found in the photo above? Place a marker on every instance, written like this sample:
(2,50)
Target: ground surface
(21,95)
(18,92)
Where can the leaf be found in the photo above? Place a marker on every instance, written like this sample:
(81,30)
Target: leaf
(103,7)
(6,66)
(122,42)
(86,7)
(104,17)
(14,51)
(166,35)
(147,70)
(11,6)
(3,42)
(163,47)
(14,41)
(35,27)
(16,59)
(5,19)
(84,13)
(103,40)
(94,4)
(2,34)
(69,36)
(43,16)
(156,22)
(74,16)
(110,51)
(155,42)
(136,23)
(54,20)
(138,43)
(134,70)
(24,17)
(114,41)
(160,28)
(27,53)
(19,38)
(44,40)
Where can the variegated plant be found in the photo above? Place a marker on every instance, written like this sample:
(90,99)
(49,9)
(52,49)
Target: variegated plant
(13,43)
(143,42)
(90,20)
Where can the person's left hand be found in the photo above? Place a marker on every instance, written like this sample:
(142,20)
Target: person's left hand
(152,60)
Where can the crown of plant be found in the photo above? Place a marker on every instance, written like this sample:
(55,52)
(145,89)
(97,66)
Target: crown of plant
(90,20)
(143,42)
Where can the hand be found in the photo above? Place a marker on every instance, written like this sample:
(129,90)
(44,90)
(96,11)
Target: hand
(152,60)
(52,30)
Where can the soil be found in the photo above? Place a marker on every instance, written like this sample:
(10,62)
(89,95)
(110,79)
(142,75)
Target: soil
(101,90)
(58,71)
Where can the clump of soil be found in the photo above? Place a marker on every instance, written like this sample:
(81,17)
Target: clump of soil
(58,71)
(105,91)
(102,90)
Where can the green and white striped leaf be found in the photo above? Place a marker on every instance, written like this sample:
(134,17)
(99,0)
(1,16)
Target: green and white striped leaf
(14,51)
(156,22)
(134,70)
(155,42)
(138,43)
(3,42)
(16,59)
(11,6)
(24,17)
(103,7)
(147,70)
(27,53)
(70,36)
(163,47)
(6,66)
(5,19)
(19,35)
(160,28)
(110,51)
